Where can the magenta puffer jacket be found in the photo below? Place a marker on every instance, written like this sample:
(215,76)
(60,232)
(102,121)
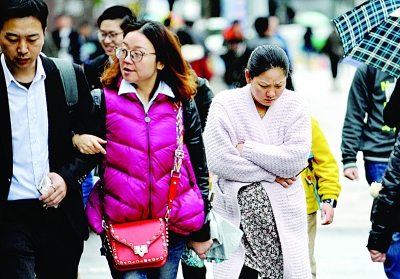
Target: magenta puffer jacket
(137,167)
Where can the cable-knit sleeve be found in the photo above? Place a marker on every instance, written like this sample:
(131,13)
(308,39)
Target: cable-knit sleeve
(290,157)
(223,158)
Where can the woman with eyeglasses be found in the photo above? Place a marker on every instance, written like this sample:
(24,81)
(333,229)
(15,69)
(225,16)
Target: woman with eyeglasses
(143,90)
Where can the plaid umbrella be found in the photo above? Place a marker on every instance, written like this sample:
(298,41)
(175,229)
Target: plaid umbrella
(370,34)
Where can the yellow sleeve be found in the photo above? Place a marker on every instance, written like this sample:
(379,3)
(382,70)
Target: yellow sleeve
(325,167)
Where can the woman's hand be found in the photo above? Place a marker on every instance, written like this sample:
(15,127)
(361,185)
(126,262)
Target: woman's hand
(239,147)
(285,182)
(201,247)
(88,144)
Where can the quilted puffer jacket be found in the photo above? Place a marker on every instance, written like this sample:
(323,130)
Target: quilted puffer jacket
(385,214)
(137,167)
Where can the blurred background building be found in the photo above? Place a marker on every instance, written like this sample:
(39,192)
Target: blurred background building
(244,10)
(211,17)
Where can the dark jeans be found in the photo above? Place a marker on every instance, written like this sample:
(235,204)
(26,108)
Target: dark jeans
(392,263)
(38,243)
(374,171)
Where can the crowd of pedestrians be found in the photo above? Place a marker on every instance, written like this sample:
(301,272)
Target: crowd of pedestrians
(154,115)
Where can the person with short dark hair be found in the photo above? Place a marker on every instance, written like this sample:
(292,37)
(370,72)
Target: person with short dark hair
(110,35)
(41,234)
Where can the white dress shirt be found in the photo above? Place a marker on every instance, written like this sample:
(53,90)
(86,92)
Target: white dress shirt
(29,127)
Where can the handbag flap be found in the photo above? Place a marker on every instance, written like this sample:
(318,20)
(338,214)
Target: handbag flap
(148,231)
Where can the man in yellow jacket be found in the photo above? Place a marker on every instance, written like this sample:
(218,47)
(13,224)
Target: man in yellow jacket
(321,185)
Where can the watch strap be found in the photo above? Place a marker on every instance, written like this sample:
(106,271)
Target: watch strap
(332,202)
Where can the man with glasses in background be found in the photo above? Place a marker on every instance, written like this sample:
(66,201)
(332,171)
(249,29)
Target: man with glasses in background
(110,35)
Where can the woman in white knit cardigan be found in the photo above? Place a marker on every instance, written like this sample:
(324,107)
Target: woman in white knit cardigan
(257,140)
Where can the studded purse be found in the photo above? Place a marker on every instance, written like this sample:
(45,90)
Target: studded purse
(144,244)
(140,244)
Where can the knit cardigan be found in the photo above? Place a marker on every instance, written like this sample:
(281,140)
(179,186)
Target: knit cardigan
(277,145)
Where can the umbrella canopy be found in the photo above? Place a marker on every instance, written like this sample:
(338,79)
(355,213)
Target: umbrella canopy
(370,33)
(311,18)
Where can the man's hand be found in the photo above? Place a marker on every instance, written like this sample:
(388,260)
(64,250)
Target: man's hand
(377,256)
(351,173)
(327,213)
(89,144)
(285,182)
(56,192)
(201,247)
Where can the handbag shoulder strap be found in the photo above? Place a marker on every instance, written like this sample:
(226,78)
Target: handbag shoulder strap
(179,155)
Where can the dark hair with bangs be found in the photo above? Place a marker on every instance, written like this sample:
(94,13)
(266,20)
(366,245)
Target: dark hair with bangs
(24,8)
(176,72)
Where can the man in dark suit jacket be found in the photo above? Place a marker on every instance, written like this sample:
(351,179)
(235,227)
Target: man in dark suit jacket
(41,235)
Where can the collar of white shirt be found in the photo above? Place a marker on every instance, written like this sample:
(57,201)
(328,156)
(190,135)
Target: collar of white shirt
(163,88)
(40,73)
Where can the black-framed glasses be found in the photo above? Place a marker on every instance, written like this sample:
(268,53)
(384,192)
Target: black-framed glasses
(101,35)
(136,55)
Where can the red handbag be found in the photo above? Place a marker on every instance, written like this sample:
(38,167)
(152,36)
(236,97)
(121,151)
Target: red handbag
(141,244)
(144,243)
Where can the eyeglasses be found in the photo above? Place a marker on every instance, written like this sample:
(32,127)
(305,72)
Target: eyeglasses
(103,35)
(136,55)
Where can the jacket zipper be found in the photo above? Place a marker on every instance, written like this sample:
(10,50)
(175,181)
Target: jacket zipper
(147,120)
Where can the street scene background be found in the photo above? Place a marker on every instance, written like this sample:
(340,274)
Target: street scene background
(340,248)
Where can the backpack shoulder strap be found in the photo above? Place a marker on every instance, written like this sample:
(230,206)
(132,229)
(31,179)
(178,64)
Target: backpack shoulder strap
(68,78)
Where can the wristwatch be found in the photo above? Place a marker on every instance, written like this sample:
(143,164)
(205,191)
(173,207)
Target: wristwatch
(332,202)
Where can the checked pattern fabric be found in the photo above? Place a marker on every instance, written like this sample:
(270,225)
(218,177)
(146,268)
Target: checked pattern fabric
(370,35)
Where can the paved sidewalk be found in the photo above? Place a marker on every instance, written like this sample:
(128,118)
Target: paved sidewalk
(340,248)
